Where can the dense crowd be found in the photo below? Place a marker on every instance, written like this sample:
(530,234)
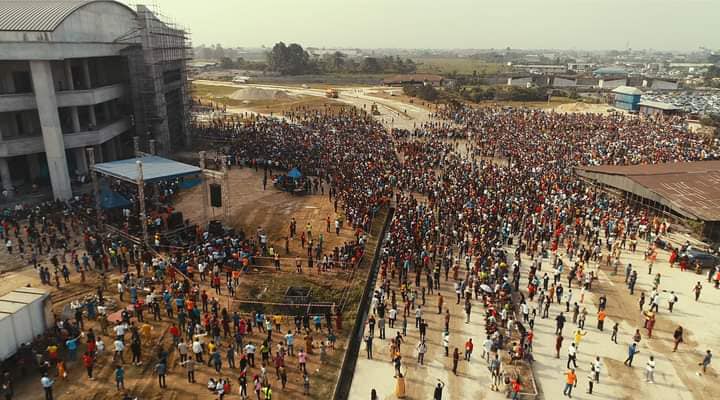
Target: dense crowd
(458,205)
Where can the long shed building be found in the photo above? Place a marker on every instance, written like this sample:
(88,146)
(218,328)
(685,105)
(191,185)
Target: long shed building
(686,191)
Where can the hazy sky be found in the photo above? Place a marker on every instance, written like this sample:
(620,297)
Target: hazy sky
(562,24)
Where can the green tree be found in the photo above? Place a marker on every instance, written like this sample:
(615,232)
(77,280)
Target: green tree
(371,65)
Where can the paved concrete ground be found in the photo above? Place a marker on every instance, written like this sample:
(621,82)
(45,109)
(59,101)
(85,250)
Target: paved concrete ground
(473,379)
(676,374)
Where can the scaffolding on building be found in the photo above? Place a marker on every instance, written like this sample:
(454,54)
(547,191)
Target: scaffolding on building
(158,69)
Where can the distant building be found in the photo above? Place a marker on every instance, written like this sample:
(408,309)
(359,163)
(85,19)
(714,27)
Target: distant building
(542,68)
(609,71)
(414,79)
(521,81)
(610,83)
(580,67)
(559,81)
(649,107)
(660,84)
(627,98)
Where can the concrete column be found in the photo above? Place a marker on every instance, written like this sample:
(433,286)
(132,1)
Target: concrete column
(86,73)
(8,82)
(5,176)
(81,160)
(98,154)
(51,130)
(111,149)
(69,75)
(93,118)
(75,119)
(33,162)
(106,111)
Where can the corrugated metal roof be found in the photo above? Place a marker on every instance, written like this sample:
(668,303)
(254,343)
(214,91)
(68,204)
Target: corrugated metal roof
(627,90)
(659,105)
(154,169)
(38,15)
(691,187)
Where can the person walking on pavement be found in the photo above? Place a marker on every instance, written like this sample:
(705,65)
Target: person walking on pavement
(572,355)
(570,382)
(677,337)
(697,289)
(706,361)
(421,350)
(632,350)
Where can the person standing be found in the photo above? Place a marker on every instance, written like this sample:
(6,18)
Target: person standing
(706,361)
(570,382)
(88,361)
(368,346)
(421,350)
(558,345)
(437,394)
(613,336)
(161,370)
(572,355)
(677,337)
(119,377)
(189,365)
(455,360)
(596,367)
(601,315)
(47,385)
(650,370)
(468,349)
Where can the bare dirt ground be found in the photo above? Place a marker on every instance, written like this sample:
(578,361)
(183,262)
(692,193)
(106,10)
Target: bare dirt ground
(251,207)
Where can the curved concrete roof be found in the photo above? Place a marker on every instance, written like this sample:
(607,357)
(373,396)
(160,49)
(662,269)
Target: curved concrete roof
(40,15)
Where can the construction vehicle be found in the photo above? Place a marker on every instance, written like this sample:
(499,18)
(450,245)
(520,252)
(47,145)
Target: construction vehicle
(374,110)
(331,93)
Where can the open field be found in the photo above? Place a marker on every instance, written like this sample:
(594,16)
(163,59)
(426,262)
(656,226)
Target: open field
(267,102)
(465,66)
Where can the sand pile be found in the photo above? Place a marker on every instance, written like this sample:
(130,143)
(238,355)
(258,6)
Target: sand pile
(258,94)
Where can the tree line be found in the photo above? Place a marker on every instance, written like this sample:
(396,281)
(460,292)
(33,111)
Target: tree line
(293,59)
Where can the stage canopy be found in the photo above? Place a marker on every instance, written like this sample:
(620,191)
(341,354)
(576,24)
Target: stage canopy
(155,169)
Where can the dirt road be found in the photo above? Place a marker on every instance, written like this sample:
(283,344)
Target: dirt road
(393,113)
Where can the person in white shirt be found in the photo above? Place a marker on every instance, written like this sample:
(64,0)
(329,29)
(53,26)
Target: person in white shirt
(596,367)
(487,348)
(197,349)
(119,347)
(650,370)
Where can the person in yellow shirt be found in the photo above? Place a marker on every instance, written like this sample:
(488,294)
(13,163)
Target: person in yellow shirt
(579,334)
(145,331)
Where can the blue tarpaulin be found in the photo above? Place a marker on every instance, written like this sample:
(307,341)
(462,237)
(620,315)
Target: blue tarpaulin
(110,199)
(295,173)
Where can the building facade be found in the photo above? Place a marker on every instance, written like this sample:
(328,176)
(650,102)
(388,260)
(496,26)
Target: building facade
(85,73)
(627,98)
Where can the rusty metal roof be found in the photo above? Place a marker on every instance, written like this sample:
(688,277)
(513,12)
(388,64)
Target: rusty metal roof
(39,15)
(693,187)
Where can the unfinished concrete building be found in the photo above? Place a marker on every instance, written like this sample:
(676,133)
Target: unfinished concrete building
(85,73)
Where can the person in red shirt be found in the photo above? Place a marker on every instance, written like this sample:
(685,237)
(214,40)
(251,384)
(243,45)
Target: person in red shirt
(468,349)
(88,361)
(175,333)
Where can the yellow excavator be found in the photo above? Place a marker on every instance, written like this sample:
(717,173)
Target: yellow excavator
(331,93)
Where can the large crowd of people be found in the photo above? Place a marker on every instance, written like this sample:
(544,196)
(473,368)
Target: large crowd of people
(481,197)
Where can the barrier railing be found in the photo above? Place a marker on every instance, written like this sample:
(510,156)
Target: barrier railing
(352,349)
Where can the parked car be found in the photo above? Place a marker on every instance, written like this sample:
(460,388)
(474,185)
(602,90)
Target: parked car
(706,260)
